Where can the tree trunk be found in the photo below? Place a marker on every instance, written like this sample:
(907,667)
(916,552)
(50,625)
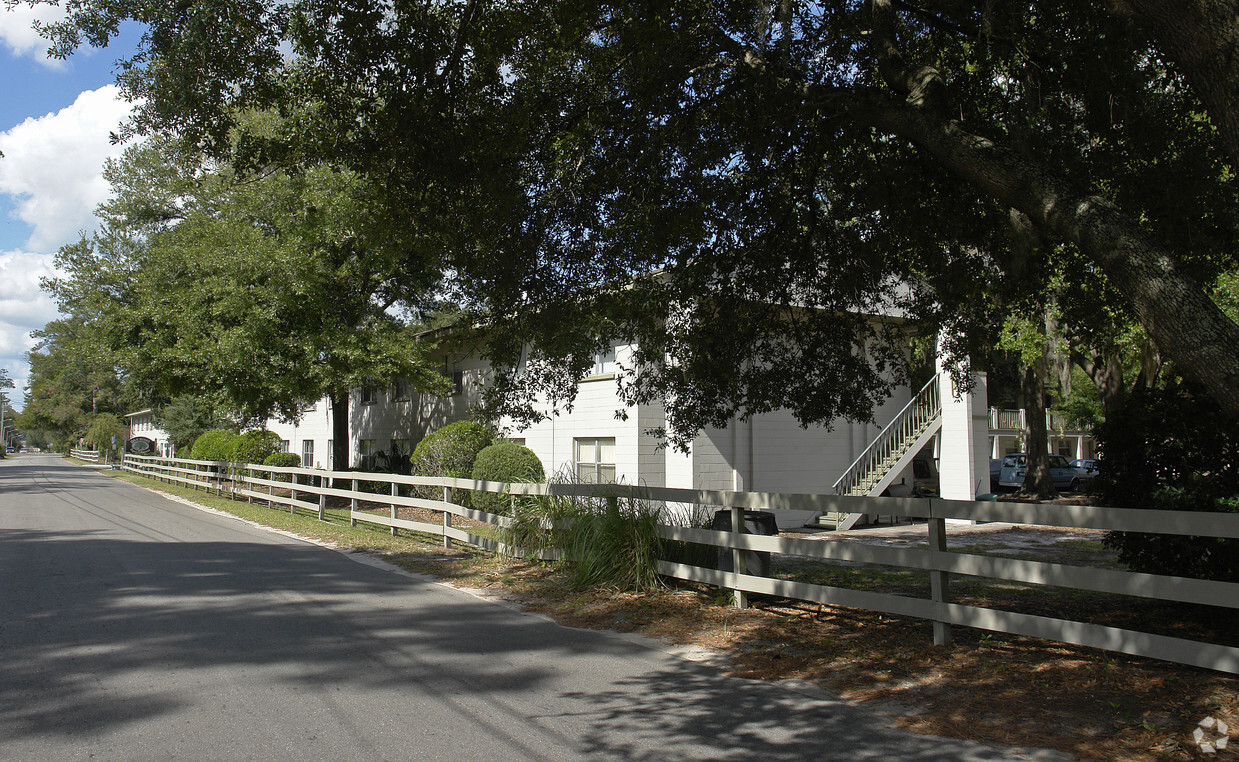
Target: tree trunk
(1202,38)
(340,457)
(1037,481)
(1182,320)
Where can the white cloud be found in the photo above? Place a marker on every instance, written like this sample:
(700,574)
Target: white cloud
(53,166)
(23,308)
(18,35)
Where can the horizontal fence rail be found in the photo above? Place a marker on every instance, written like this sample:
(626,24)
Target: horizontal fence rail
(308,489)
(90,456)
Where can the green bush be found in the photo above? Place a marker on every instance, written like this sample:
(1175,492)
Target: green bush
(282,460)
(1171,449)
(451,450)
(215,444)
(254,447)
(504,462)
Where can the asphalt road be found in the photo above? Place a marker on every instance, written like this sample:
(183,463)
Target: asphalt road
(133,627)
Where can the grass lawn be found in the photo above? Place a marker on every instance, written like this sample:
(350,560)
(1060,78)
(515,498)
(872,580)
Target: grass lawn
(1087,703)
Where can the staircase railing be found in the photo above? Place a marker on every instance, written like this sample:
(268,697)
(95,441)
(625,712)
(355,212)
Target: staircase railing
(895,439)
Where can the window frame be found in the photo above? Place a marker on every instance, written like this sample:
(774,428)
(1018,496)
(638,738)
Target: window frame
(597,465)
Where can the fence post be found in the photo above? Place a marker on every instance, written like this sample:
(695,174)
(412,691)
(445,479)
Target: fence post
(322,500)
(447,518)
(292,505)
(739,563)
(270,489)
(395,490)
(938,583)
(352,505)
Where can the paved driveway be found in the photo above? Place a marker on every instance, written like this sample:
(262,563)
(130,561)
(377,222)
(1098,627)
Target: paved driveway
(134,627)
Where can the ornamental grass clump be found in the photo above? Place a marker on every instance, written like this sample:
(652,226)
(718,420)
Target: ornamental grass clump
(608,540)
(615,544)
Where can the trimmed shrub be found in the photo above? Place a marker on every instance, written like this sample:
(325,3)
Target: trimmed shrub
(254,447)
(1173,450)
(504,462)
(450,451)
(282,460)
(215,444)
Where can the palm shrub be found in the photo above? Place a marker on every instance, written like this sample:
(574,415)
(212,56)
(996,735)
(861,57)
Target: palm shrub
(215,444)
(615,544)
(608,541)
(504,462)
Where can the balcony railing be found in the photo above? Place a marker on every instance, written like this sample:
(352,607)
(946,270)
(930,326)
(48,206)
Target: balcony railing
(1013,420)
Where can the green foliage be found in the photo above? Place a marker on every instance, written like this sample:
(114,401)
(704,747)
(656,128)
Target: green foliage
(504,462)
(198,271)
(215,444)
(614,543)
(451,450)
(282,459)
(103,428)
(187,416)
(1083,403)
(1171,450)
(254,447)
(72,377)
(607,542)
(774,163)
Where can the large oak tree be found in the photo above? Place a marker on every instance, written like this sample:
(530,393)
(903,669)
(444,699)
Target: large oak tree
(732,183)
(272,290)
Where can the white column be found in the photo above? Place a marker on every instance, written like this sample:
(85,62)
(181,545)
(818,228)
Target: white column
(963,462)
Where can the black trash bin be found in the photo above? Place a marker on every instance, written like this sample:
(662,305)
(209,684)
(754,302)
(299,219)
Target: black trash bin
(756,562)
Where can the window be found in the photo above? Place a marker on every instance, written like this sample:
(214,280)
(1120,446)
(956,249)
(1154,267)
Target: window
(400,390)
(365,448)
(452,371)
(595,460)
(604,362)
(285,445)
(307,452)
(401,453)
(368,395)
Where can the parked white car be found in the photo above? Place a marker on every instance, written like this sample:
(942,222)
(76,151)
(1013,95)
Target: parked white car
(1062,473)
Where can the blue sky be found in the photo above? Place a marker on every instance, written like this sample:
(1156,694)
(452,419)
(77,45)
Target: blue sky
(55,118)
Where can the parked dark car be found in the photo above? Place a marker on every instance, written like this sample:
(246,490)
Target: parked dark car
(1062,473)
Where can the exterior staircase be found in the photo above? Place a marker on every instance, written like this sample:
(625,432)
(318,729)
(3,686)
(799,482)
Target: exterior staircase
(889,453)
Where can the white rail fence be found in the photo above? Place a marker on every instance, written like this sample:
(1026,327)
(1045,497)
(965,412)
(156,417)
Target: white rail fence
(307,490)
(90,456)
